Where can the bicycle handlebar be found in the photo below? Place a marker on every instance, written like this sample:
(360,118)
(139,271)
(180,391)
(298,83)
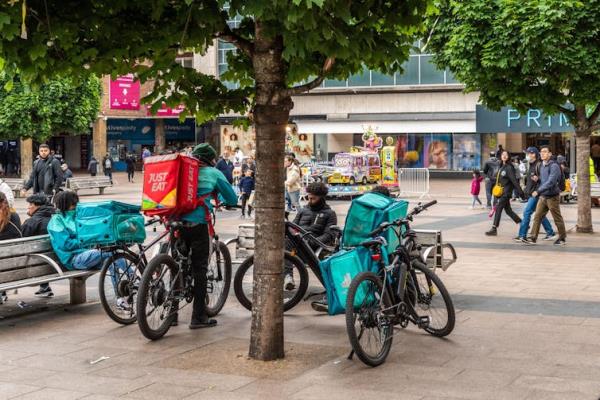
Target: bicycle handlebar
(304,232)
(417,210)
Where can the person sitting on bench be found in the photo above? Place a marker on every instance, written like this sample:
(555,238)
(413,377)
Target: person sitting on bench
(10,228)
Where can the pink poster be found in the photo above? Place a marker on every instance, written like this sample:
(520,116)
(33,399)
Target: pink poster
(124,93)
(165,111)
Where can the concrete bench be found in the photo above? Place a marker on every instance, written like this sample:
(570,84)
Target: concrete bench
(31,261)
(92,182)
(15,184)
(435,252)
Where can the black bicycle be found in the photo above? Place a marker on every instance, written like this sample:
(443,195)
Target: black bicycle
(404,291)
(297,257)
(167,284)
(120,277)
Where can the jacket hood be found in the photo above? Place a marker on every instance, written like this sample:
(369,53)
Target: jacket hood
(44,211)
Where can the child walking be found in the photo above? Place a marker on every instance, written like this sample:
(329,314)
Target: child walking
(476,187)
(246,186)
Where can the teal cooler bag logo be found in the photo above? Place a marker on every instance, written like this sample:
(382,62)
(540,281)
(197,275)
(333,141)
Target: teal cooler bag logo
(338,272)
(109,222)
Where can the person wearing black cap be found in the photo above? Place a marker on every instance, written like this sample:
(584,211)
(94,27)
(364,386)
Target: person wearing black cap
(532,183)
(39,212)
(196,230)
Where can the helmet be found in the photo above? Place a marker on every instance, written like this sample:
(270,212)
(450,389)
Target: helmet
(204,152)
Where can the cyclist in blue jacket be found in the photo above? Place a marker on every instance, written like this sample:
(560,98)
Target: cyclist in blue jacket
(198,226)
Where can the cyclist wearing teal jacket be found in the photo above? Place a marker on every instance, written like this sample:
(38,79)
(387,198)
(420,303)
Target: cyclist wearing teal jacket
(196,231)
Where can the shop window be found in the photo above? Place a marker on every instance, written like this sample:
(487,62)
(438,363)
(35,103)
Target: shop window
(466,152)
(410,73)
(430,74)
(450,77)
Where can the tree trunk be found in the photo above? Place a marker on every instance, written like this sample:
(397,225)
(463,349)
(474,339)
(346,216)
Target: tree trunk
(26,158)
(271,114)
(584,201)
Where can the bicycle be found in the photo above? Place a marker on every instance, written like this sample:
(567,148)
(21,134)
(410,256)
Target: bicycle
(167,282)
(118,285)
(405,291)
(299,255)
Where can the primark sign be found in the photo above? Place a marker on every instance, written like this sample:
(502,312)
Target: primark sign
(510,120)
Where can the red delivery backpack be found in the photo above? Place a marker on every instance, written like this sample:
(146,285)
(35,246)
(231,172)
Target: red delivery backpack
(170,185)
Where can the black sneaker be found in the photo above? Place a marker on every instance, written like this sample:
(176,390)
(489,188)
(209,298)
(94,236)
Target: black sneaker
(203,323)
(528,241)
(518,239)
(45,292)
(550,237)
(319,306)
(560,242)
(492,232)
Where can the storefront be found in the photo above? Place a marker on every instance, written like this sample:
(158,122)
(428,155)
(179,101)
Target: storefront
(440,141)
(516,131)
(130,136)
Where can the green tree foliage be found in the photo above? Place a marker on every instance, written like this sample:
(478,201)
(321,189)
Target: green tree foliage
(38,112)
(528,54)
(278,42)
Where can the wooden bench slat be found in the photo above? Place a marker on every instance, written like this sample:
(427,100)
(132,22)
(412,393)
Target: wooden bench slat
(45,279)
(26,273)
(8,264)
(25,246)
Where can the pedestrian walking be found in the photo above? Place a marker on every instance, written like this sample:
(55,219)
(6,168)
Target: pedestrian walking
(490,169)
(246,186)
(130,161)
(107,165)
(93,166)
(226,166)
(293,182)
(476,188)
(532,183)
(47,176)
(549,198)
(506,182)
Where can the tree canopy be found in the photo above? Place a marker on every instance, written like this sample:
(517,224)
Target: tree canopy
(57,106)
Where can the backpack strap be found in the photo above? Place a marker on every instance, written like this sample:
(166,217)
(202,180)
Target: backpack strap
(201,202)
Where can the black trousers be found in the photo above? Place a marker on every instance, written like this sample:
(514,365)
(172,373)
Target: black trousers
(245,197)
(130,175)
(504,205)
(488,192)
(197,239)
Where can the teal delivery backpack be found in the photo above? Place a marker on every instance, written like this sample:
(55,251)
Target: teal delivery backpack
(109,222)
(366,213)
(338,272)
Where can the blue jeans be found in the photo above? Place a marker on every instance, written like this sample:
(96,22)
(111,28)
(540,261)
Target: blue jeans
(529,211)
(93,259)
(294,199)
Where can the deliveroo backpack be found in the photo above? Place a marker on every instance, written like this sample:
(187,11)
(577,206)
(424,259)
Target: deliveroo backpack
(338,272)
(109,222)
(366,213)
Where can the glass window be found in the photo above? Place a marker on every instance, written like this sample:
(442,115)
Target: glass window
(410,74)
(450,77)
(361,79)
(379,79)
(429,72)
(334,83)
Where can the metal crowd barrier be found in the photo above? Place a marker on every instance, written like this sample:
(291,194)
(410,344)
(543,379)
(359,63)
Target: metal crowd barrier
(413,182)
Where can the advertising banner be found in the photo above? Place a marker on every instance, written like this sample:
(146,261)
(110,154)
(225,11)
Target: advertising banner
(436,151)
(124,93)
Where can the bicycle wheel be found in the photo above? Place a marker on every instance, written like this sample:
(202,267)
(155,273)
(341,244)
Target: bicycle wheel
(156,304)
(118,286)
(218,279)
(430,297)
(370,330)
(243,282)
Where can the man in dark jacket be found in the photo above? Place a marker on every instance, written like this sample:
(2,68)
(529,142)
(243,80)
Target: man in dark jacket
(226,167)
(532,183)
(93,166)
(490,169)
(39,212)
(317,218)
(549,197)
(46,176)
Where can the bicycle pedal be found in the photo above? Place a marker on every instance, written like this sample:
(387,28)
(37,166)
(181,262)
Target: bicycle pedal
(423,322)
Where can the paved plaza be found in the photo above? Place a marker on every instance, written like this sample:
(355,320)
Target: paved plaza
(528,323)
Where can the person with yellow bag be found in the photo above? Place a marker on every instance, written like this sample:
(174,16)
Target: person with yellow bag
(506,183)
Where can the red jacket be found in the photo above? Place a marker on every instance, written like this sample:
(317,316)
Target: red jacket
(476,185)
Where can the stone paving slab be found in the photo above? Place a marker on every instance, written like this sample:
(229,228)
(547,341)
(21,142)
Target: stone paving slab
(527,328)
